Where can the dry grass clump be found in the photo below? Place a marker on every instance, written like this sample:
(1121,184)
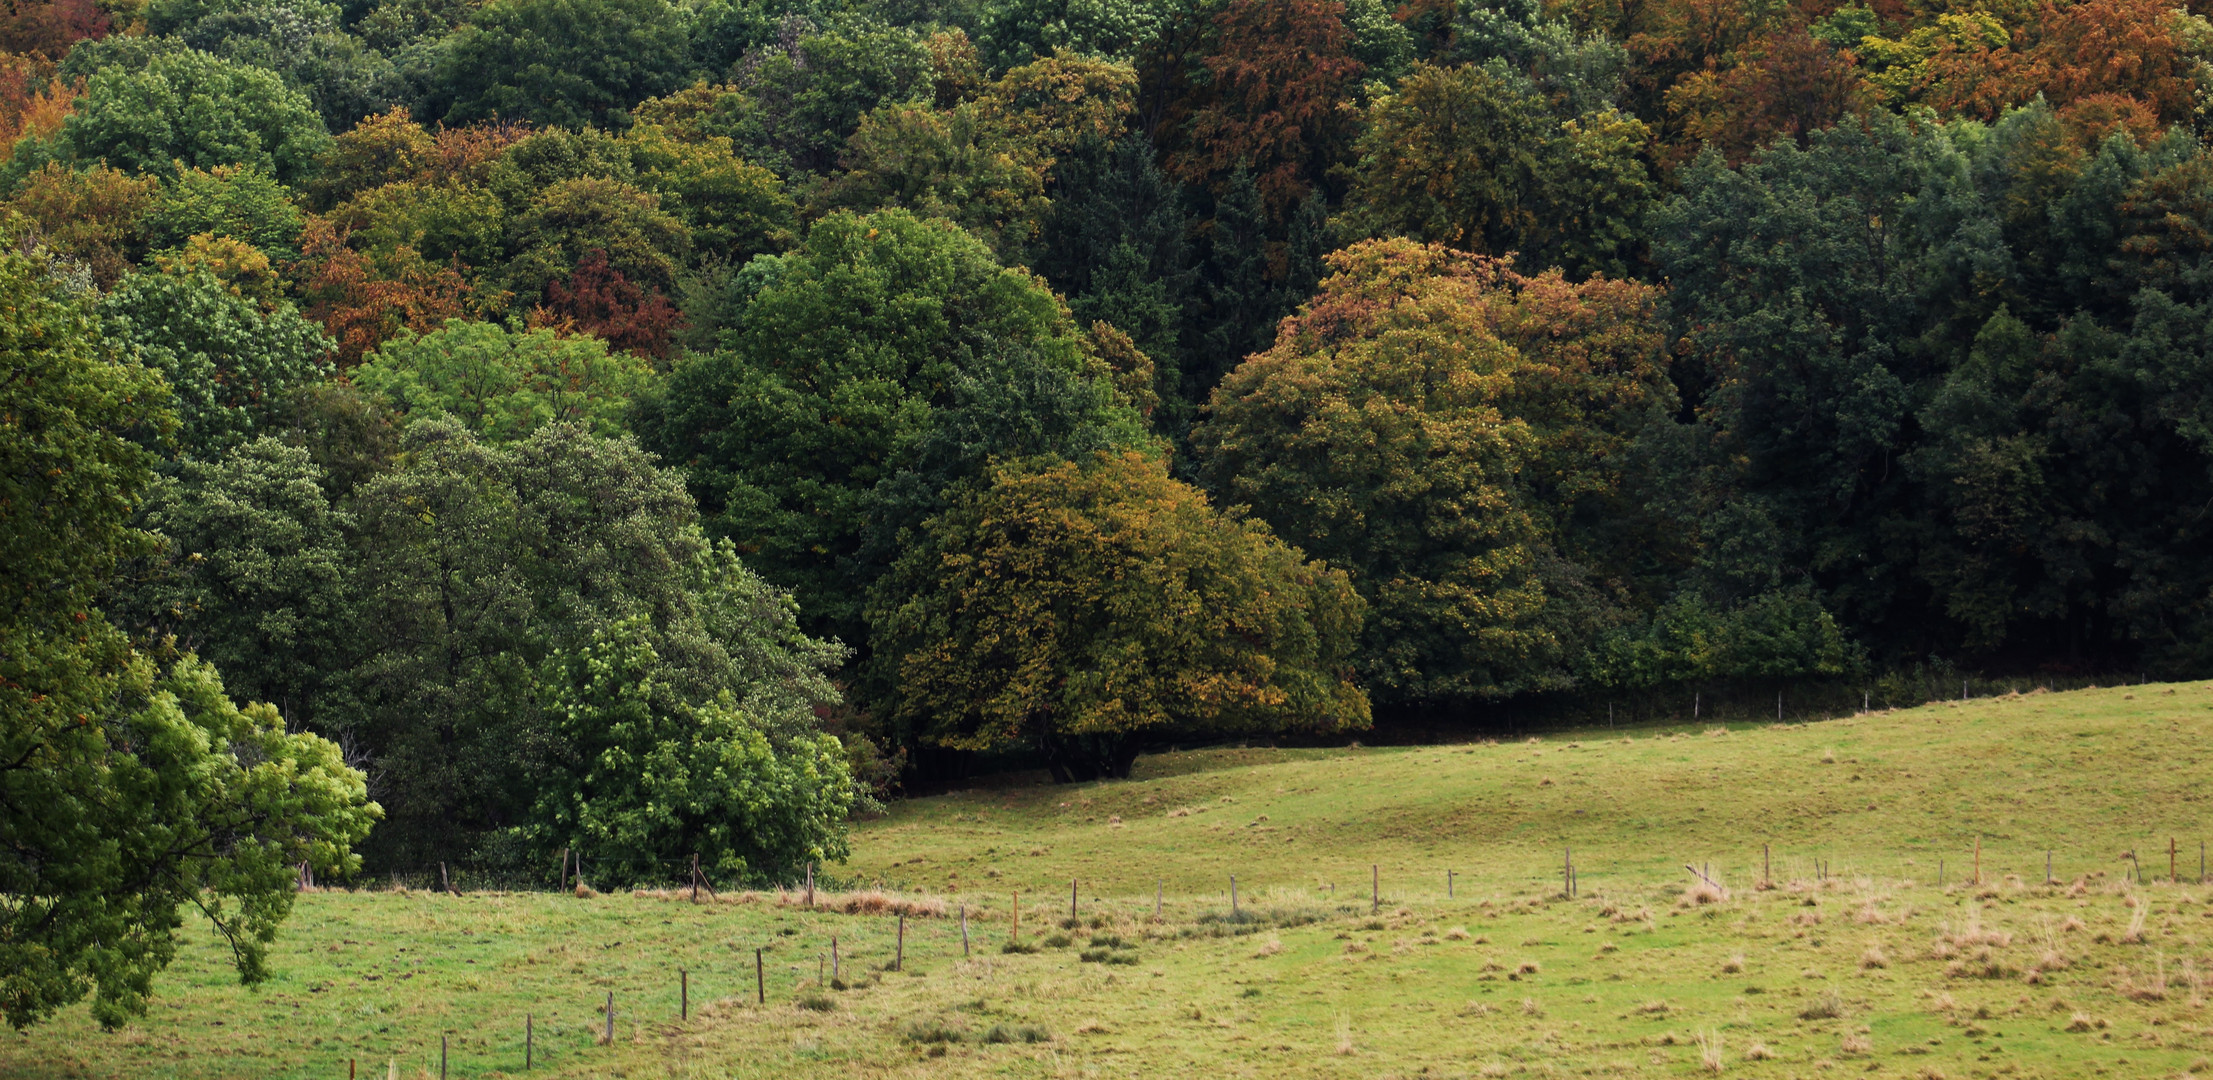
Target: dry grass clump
(1857,1043)
(1700,893)
(1457,933)
(1758,1051)
(1709,1051)
(1733,965)
(1527,967)
(1268,948)
(1828,1006)
(1873,959)
(2081,1022)
(583,891)
(2135,933)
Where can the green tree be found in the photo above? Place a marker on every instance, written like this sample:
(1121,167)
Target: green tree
(478,563)
(644,778)
(252,573)
(561,62)
(182,108)
(228,360)
(573,218)
(503,384)
(1470,157)
(131,789)
(835,359)
(795,101)
(1080,610)
(228,200)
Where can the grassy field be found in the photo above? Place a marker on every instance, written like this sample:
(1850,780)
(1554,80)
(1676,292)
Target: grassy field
(1856,962)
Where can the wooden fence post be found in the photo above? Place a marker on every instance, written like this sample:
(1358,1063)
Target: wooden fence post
(695,877)
(1017,938)
(964,930)
(810,883)
(899,959)
(1375,888)
(833,957)
(760,979)
(610,1018)
(1071,899)
(1233,897)
(441,1056)
(683,994)
(530,1035)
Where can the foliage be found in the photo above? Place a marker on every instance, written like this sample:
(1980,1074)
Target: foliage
(1430,423)
(1276,76)
(363,301)
(502,384)
(653,778)
(228,200)
(228,360)
(1080,609)
(984,162)
(828,374)
(252,573)
(92,215)
(132,787)
(186,109)
(561,62)
(477,563)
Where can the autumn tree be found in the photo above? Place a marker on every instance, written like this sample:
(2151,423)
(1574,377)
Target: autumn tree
(1448,432)
(1276,73)
(1081,610)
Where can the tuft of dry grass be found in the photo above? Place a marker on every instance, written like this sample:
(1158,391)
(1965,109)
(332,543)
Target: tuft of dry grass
(1733,965)
(1457,933)
(1709,1051)
(1758,1051)
(1829,1005)
(2081,1022)
(1344,1037)
(1527,967)
(1873,959)
(1268,948)
(1856,1043)
(1700,893)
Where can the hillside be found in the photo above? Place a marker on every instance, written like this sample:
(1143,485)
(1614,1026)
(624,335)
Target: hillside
(2088,776)
(1874,970)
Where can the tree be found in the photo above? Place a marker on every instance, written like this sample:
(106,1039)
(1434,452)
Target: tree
(1114,243)
(794,101)
(1467,157)
(1277,73)
(734,209)
(229,361)
(183,108)
(91,215)
(1078,610)
(984,161)
(1789,86)
(131,788)
(573,218)
(1441,428)
(227,200)
(252,574)
(502,384)
(564,63)
(831,368)
(489,572)
(599,301)
(364,301)
(647,778)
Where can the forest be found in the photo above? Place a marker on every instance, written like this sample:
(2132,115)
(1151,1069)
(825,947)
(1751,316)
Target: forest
(655,429)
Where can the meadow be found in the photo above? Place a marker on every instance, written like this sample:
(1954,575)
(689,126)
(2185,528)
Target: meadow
(1850,927)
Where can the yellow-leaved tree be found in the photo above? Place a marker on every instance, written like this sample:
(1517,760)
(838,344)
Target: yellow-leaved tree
(1081,609)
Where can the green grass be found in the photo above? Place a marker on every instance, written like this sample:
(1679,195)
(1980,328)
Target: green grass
(1505,978)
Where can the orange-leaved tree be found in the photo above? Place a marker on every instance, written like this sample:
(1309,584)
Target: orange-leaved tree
(1270,104)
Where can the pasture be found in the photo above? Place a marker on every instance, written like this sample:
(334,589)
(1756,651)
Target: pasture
(1845,953)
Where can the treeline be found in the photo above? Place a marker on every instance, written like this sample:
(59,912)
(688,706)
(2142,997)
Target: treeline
(654,427)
